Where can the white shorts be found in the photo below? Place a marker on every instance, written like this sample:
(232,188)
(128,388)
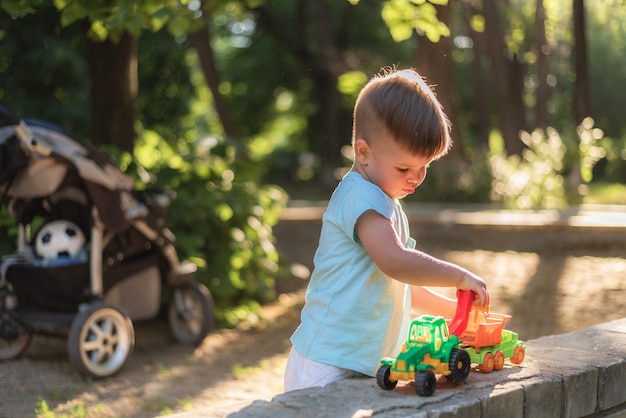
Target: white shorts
(301,372)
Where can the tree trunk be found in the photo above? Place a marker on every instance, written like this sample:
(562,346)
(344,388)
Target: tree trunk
(315,51)
(434,62)
(581,89)
(508,81)
(325,74)
(479,103)
(581,86)
(113,92)
(543,56)
(201,41)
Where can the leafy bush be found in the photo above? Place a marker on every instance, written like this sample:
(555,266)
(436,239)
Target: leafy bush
(601,193)
(534,180)
(538,178)
(222,218)
(456,180)
(8,231)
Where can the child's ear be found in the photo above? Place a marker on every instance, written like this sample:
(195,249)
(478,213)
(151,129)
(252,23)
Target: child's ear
(362,151)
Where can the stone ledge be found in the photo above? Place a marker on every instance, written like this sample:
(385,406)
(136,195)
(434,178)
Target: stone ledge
(584,216)
(578,374)
(489,227)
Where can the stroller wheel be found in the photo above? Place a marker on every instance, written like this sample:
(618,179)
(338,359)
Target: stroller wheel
(100,341)
(191,313)
(13,342)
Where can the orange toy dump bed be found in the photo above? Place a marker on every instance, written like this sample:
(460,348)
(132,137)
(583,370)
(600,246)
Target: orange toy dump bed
(484,328)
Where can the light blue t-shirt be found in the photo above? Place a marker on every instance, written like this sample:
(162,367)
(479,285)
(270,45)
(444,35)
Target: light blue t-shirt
(354,314)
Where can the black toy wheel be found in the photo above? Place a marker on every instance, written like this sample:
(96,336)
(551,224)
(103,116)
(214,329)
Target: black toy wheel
(425,383)
(459,365)
(100,341)
(191,313)
(13,340)
(382,378)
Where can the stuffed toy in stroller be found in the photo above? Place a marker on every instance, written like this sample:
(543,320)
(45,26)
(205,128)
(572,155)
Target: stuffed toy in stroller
(93,254)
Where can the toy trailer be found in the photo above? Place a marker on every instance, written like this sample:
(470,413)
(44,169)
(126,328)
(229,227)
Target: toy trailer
(484,328)
(485,338)
(429,349)
(488,343)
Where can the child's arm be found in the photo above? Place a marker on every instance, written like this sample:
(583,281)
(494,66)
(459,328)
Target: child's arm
(427,301)
(411,266)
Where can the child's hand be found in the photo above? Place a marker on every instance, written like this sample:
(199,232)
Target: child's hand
(471,281)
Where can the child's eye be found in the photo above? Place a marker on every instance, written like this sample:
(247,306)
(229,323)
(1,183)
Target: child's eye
(402,170)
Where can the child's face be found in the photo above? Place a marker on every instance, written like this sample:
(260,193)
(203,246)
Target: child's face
(390,166)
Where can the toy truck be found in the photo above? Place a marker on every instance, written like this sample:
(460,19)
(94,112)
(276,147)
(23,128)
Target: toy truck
(429,349)
(483,336)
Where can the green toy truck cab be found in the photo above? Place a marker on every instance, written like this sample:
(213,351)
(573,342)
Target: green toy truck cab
(428,350)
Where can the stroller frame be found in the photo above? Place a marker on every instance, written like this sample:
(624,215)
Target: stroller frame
(131,255)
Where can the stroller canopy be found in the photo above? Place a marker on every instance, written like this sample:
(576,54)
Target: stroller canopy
(36,158)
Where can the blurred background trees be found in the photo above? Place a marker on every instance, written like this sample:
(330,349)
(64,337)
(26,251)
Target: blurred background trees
(223,100)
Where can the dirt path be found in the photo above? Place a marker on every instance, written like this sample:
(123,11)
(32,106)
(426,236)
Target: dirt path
(546,294)
(229,369)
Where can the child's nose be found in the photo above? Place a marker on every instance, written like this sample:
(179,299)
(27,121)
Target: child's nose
(416,179)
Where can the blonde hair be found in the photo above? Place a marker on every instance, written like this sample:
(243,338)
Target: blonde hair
(399,102)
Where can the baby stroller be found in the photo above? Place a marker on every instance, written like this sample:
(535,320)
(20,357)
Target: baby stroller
(99,257)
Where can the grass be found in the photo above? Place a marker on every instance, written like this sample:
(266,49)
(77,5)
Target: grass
(241,371)
(77,410)
(157,405)
(606,194)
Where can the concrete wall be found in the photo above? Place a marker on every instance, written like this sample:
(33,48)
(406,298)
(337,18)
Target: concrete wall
(579,374)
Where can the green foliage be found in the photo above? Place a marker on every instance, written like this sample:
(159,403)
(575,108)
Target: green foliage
(534,180)
(589,151)
(77,410)
(601,193)
(538,178)
(157,406)
(166,86)
(8,232)
(43,72)
(43,410)
(403,17)
(222,218)
(21,8)
(110,19)
(612,168)
(264,52)
(350,84)
(456,181)
(607,35)
(271,68)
